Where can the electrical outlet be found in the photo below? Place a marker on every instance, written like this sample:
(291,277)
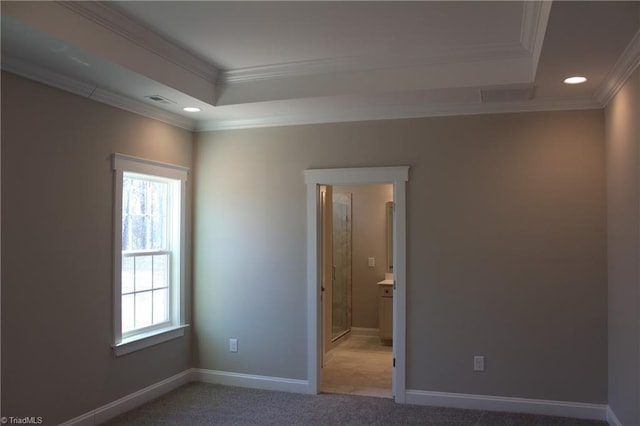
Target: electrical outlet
(233,345)
(478,363)
(372,262)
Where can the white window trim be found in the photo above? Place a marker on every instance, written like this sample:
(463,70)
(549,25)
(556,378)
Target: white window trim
(151,338)
(124,163)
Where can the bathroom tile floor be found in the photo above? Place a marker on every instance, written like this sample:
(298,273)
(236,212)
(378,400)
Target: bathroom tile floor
(360,365)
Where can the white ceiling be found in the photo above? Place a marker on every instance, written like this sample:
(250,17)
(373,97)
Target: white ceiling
(250,64)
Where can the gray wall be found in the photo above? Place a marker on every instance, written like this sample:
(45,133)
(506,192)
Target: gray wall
(369,239)
(57,186)
(623,214)
(506,248)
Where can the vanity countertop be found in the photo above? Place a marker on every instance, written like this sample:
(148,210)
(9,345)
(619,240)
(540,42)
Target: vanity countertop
(388,279)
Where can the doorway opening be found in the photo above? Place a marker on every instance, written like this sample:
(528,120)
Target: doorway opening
(315,180)
(357,296)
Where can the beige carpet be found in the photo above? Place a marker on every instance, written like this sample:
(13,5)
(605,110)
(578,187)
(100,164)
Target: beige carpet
(360,365)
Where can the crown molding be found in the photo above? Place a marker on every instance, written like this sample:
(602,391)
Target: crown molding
(488,52)
(529,26)
(535,16)
(42,75)
(621,71)
(410,111)
(118,23)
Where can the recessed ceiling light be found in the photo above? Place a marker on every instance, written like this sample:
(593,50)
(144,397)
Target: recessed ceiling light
(575,80)
(191,109)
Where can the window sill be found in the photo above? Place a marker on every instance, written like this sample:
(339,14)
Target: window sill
(142,341)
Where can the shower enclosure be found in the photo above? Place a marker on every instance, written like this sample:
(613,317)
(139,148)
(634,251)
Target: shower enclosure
(341,293)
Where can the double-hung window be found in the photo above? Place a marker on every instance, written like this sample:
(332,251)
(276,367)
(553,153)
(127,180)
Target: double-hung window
(149,253)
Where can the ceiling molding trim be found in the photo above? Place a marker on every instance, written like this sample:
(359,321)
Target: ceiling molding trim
(535,17)
(90,91)
(44,76)
(489,52)
(441,110)
(626,64)
(529,28)
(120,24)
(140,108)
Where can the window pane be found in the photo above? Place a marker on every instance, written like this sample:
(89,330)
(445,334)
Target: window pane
(128,315)
(160,271)
(143,273)
(151,207)
(143,309)
(144,214)
(138,232)
(127,274)
(160,311)
(157,224)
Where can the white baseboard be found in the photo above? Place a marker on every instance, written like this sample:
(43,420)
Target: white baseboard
(515,405)
(250,381)
(129,402)
(612,419)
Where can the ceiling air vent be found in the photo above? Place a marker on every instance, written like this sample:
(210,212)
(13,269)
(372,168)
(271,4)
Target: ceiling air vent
(160,99)
(508,94)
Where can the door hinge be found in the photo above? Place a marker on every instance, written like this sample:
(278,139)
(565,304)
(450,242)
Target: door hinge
(394,284)
(394,362)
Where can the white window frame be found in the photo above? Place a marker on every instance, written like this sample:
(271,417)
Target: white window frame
(175,327)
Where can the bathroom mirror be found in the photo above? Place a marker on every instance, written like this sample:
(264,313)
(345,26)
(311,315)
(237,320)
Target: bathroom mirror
(389,207)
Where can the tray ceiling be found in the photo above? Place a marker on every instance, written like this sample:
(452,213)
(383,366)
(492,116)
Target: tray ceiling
(249,64)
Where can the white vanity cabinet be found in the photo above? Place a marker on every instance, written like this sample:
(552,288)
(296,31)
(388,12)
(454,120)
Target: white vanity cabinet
(385,311)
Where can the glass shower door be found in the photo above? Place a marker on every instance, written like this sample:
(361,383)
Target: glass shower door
(341,289)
